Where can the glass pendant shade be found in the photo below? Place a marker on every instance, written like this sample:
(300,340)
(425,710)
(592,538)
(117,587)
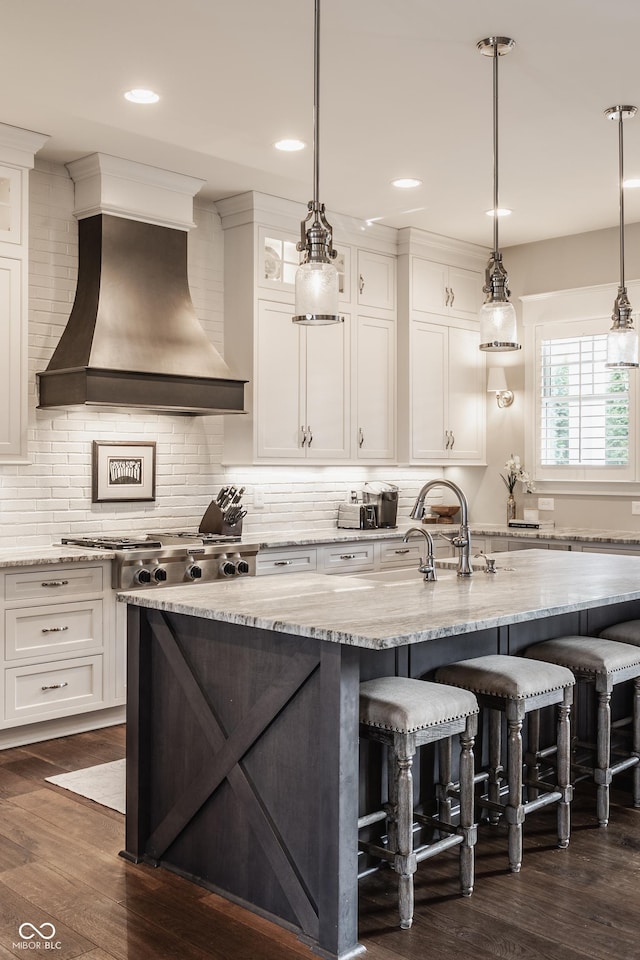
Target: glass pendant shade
(622,347)
(498,326)
(316,294)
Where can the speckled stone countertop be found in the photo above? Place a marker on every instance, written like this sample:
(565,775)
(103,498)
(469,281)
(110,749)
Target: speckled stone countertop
(57,553)
(369,612)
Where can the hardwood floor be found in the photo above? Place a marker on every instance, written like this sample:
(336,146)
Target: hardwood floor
(59,864)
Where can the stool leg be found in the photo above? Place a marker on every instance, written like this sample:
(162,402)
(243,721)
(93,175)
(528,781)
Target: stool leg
(405,861)
(495,761)
(636,741)
(514,811)
(533,765)
(467,826)
(391,806)
(602,773)
(444,784)
(563,740)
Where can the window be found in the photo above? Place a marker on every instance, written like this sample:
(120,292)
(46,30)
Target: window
(581,417)
(584,406)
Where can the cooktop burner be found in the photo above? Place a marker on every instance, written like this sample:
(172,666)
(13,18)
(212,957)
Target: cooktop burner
(113,543)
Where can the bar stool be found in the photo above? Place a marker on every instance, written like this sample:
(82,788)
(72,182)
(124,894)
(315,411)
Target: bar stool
(405,714)
(603,663)
(515,687)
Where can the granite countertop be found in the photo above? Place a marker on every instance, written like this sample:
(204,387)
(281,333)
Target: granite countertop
(531,584)
(56,553)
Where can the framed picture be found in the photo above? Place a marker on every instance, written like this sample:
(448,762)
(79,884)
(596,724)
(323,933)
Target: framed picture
(123,471)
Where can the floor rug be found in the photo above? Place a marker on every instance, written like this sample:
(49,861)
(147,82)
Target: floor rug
(104,783)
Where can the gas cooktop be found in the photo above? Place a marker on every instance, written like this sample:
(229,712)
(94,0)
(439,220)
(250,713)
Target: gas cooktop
(151,541)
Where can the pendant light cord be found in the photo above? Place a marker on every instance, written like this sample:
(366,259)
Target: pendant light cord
(495,147)
(316,106)
(621,191)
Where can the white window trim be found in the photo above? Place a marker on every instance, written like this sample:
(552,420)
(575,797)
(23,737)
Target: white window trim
(565,306)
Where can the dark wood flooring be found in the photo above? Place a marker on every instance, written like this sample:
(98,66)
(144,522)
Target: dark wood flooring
(59,864)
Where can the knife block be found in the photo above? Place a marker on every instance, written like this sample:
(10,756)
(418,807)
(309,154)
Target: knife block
(213,522)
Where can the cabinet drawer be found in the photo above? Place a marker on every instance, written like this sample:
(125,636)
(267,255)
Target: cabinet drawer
(62,628)
(347,558)
(53,583)
(398,554)
(51,690)
(286,561)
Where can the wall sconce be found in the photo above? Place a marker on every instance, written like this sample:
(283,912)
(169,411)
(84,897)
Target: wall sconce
(497,383)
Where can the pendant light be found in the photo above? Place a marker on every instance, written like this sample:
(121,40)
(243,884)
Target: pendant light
(622,341)
(316,282)
(498,326)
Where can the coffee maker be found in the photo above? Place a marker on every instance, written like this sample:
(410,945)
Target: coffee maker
(385,498)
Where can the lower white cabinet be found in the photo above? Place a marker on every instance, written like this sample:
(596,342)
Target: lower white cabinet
(346,556)
(287,560)
(63,651)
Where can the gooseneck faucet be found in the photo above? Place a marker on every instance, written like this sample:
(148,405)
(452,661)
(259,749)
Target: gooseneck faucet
(462,542)
(428,563)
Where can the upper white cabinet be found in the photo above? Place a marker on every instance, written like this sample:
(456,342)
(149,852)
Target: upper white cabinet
(441,370)
(301,387)
(325,393)
(17,150)
(445,290)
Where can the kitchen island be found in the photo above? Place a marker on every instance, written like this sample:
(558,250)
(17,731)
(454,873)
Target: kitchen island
(242,736)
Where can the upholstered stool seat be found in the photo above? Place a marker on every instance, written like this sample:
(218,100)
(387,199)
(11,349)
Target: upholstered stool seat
(406,714)
(627,631)
(603,663)
(515,687)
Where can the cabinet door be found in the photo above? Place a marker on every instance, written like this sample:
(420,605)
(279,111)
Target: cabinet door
(429,385)
(12,361)
(375,389)
(467,409)
(429,285)
(376,280)
(466,292)
(327,419)
(279,386)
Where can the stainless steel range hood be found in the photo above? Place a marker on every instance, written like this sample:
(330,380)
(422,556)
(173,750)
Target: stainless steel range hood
(133,339)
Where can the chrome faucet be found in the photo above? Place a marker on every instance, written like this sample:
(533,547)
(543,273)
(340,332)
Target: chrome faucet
(428,564)
(462,541)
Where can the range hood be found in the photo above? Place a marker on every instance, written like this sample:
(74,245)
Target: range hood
(133,339)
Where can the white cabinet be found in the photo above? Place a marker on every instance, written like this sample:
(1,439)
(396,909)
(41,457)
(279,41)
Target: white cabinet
(17,149)
(375,389)
(62,656)
(301,388)
(447,401)
(445,290)
(324,393)
(441,369)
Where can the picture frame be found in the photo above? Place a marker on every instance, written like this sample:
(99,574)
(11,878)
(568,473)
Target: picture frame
(123,471)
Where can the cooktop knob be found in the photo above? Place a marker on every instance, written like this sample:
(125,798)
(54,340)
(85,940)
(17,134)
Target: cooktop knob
(160,574)
(143,576)
(242,566)
(194,572)
(227,568)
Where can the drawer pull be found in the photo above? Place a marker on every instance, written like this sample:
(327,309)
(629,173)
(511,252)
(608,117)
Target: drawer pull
(54,583)
(56,686)
(348,556)
(405,550)
(282,563)
(54,629)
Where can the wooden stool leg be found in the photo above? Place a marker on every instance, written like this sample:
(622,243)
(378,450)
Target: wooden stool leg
(563,740)
(495,761)
(405,863)
(514,811)
(602,773)
(391,806)
(444,784)
(467,827)
(636,741)
(533,765)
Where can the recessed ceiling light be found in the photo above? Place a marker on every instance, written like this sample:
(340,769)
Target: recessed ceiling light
(141,96)
(406,183)
(632,184)
(500,212)
(290,146)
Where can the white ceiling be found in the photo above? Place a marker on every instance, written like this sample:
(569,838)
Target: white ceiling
(403,92)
